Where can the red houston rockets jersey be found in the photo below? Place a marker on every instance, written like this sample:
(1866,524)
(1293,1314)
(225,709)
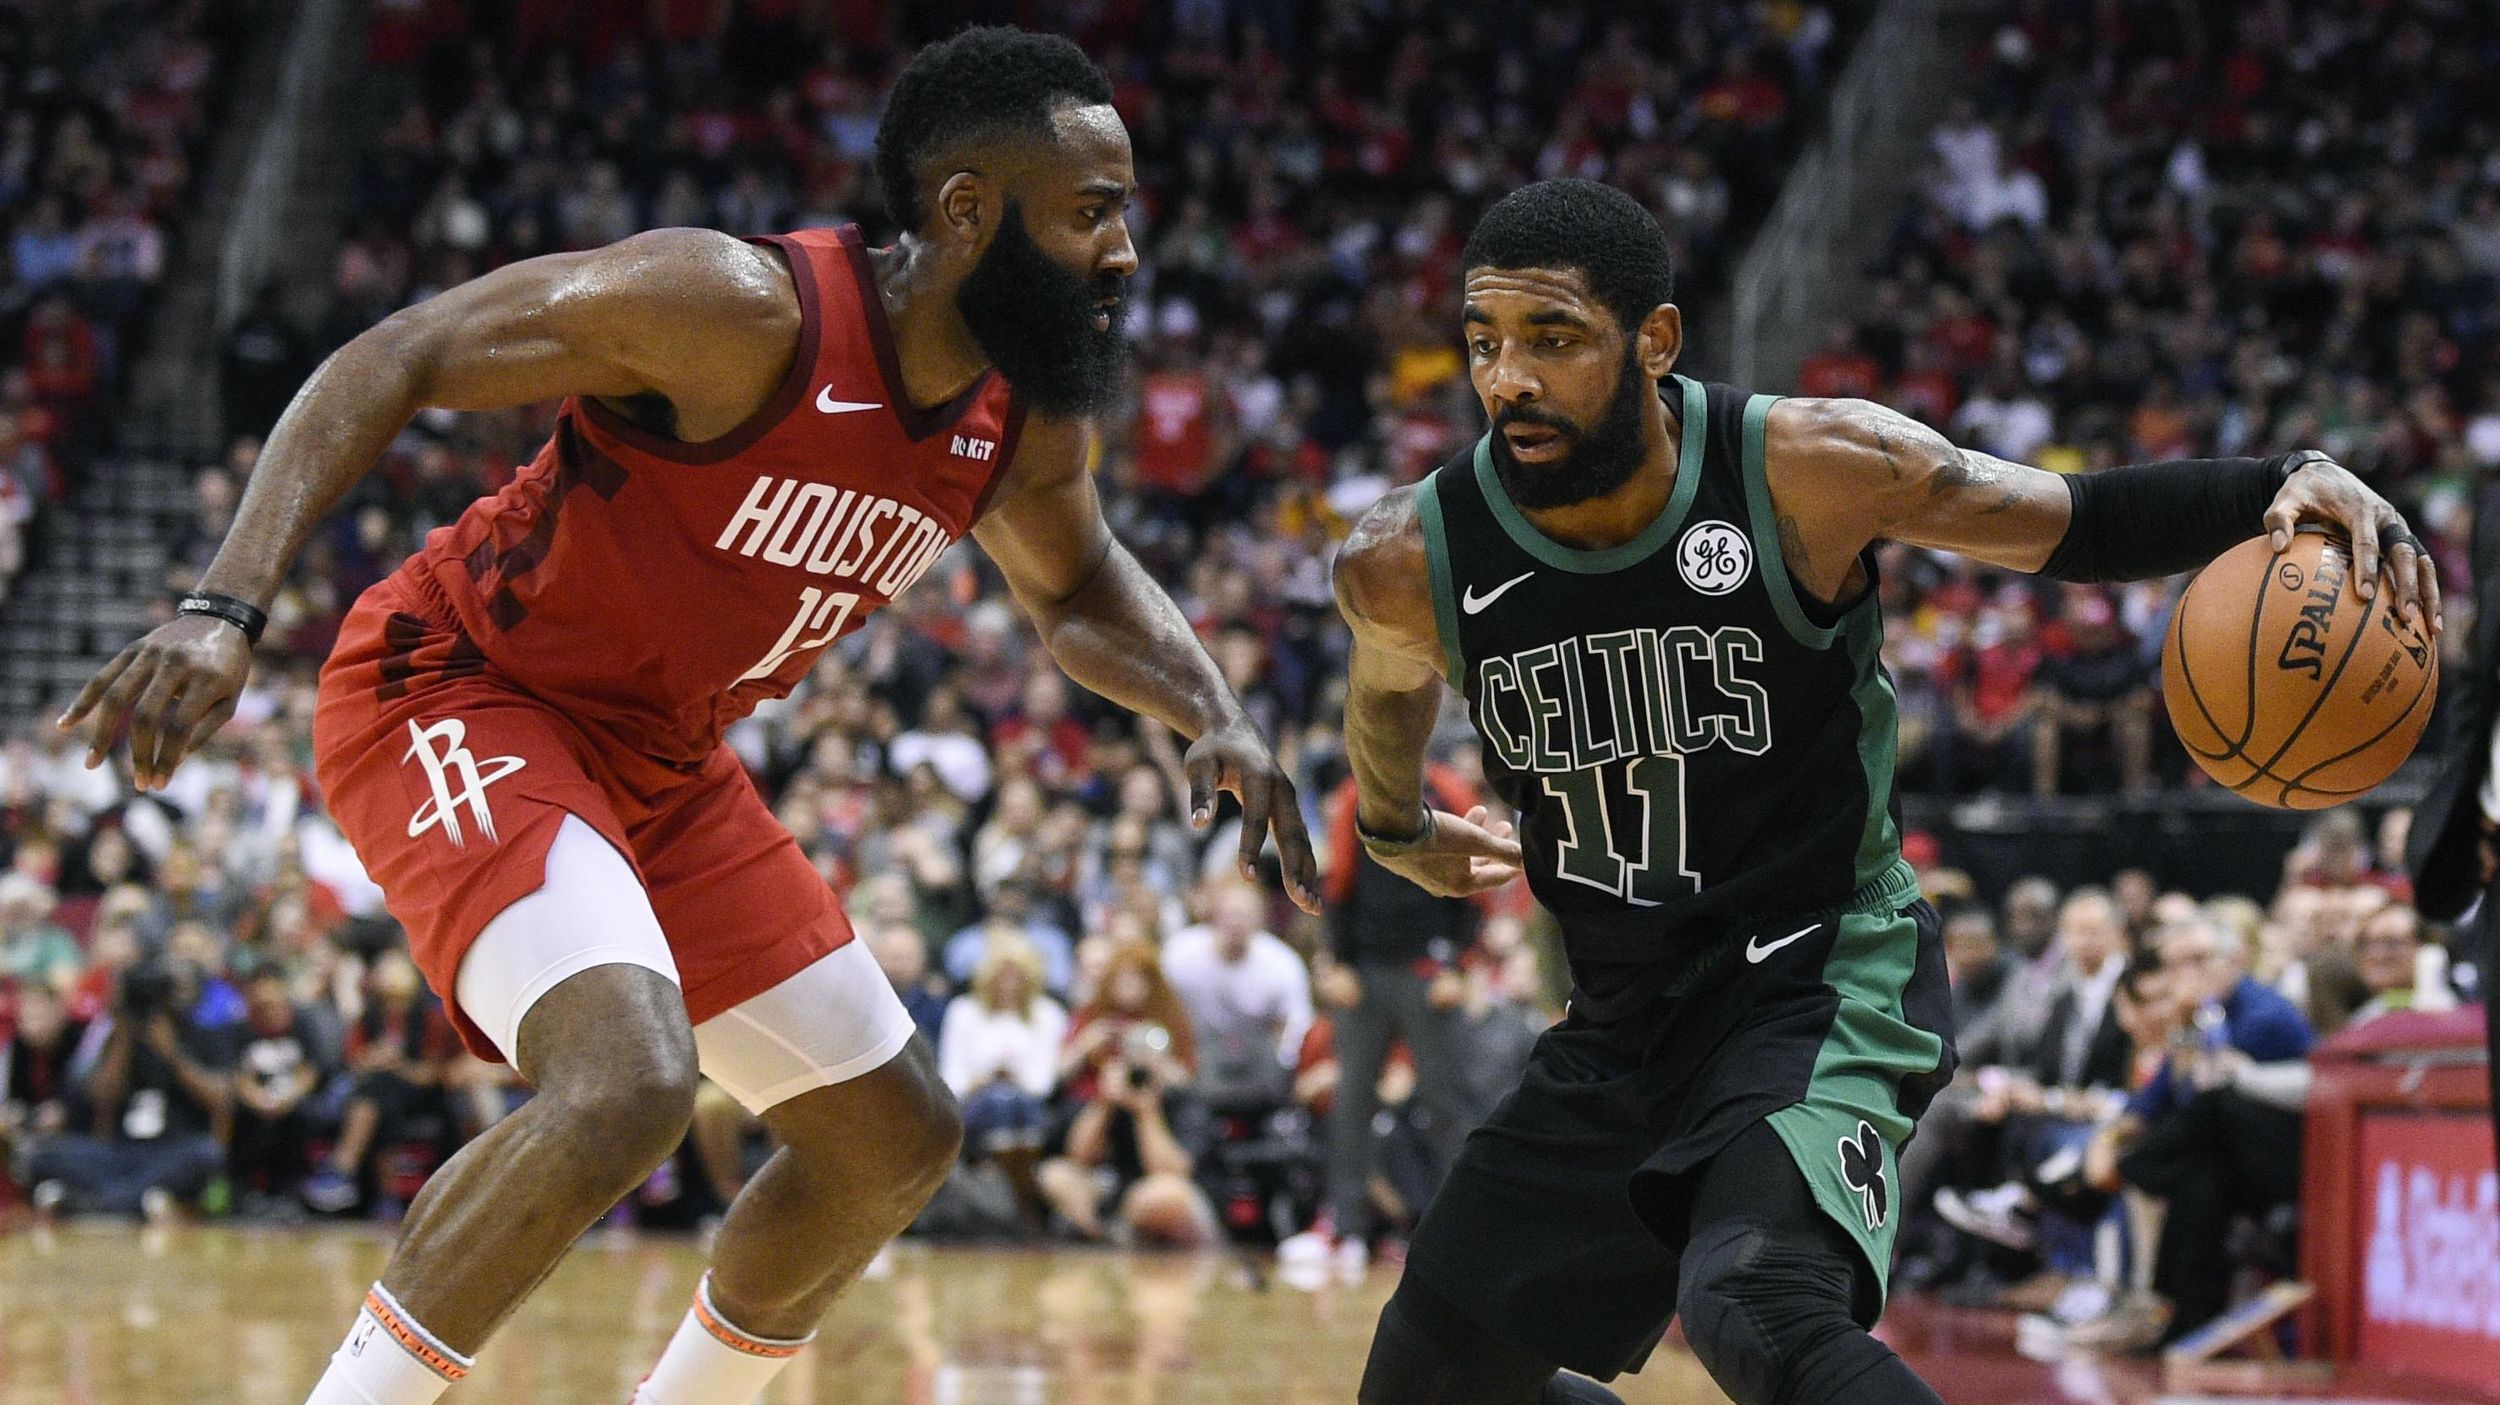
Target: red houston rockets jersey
(662,589)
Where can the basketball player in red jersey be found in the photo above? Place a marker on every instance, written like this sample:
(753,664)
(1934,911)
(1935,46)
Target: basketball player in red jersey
(761,442)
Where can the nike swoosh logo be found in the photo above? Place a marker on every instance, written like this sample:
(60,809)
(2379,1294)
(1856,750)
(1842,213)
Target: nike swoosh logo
(1474,604)
(831,406)
(1756,952)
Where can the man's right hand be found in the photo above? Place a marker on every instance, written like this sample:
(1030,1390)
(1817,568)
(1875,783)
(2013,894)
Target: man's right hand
(173,689)
(1460,857)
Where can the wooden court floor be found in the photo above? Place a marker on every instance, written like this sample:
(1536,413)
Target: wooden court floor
(113,1315)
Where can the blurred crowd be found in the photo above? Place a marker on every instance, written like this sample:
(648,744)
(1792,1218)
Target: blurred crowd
(104,113)
(1146,1046)
(204,1002)
(2153,231)
(2136,1061)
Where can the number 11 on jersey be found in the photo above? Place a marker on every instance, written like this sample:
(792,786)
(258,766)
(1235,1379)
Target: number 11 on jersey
(1594,850)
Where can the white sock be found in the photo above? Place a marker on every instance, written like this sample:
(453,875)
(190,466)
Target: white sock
(710,1362)
(388,1359)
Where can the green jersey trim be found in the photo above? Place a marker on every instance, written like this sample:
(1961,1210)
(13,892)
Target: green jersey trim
(1437,568)
(1577,560)
(1879,742)
(1776,582)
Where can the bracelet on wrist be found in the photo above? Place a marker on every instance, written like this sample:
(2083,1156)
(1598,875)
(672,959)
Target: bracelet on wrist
(242,614)
(1390,846)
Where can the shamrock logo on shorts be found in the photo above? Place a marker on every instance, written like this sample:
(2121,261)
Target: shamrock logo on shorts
(1862,1170)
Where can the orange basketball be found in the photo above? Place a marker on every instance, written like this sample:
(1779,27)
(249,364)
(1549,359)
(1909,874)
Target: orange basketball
(2288,687)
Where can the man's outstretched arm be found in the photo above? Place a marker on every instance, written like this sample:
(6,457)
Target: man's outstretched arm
(704,320)
(1848,472)
(1116,632)
(1393,698)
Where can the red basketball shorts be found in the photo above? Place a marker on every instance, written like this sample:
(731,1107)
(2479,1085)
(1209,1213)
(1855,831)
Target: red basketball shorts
(451,781)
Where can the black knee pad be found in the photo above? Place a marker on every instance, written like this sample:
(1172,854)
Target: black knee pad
(1427,1352)
(1758,1303)
(1719,1323)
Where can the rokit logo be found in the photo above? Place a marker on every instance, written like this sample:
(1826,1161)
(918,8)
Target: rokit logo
(977,450)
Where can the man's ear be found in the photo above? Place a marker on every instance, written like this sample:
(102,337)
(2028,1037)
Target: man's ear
(966,209)
(1661,339)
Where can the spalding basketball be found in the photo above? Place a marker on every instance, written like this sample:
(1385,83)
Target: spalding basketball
(2288,687)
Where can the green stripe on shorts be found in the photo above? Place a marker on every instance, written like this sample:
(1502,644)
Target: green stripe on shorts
(1846,1133)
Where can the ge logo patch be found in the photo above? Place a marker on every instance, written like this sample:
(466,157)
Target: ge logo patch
(1862,1170)
(1714,557)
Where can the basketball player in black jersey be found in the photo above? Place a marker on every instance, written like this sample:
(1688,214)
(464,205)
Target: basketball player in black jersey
(1658,598)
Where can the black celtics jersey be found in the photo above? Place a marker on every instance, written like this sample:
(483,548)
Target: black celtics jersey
(1694,747)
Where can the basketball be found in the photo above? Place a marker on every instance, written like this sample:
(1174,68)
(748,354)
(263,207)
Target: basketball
(2287,686)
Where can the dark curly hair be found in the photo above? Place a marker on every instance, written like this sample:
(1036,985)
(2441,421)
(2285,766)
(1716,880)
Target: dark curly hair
(987,82)
(1610,237)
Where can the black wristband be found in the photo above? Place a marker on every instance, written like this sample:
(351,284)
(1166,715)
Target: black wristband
(242,614)
(1383,847)
(2157,519)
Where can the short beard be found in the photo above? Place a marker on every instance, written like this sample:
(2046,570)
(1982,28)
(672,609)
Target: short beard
(1600,459)
(1034,320)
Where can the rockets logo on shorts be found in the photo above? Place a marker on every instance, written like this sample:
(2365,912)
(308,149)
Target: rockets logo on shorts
(454,764)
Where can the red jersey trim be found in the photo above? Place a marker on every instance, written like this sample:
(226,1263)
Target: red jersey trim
(917,423)
(785,397)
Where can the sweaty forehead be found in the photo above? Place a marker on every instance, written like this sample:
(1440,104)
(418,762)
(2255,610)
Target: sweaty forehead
(1519,292)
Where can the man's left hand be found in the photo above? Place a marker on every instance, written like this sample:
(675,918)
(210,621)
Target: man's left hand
(2323,491)
(1233,758)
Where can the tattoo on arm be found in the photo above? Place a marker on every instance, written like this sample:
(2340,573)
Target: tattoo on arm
(1793,546)
(1962,472)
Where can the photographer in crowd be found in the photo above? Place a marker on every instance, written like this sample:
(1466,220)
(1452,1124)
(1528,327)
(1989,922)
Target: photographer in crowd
(158,1099)
(1126,1072)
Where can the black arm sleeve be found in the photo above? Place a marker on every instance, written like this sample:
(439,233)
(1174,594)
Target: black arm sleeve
(2157,519)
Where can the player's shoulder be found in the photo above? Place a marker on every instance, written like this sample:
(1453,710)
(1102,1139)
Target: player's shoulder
(1384,556)
(1842,442)
(702,275)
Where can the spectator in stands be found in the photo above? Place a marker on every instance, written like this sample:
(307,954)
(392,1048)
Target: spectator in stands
(1015,911)
(158,1096)
(999,1048)
(1976,963)
(17,509)
(2399,967)
(33,949)
(1397,952)
(397,1054)
(2050,1103)
(1988,679)
(261,362)
(2202,1134)
(1126,1071)
(904,957)
(1841,369)
(1248,996)
(280,1066)
(2096,685)
(36,1082)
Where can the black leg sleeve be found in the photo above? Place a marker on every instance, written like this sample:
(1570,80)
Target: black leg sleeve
(1771,1287)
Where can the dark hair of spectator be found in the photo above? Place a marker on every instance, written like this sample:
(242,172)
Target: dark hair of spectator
(1608,236)
(987,83)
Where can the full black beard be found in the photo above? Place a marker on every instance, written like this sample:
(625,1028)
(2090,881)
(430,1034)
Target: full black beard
(1600,459)
(1035,321)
